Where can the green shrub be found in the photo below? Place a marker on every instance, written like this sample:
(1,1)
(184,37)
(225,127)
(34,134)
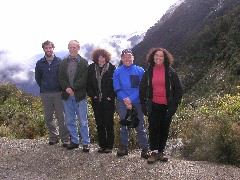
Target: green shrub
(5,131)
(211,130)
(20,113)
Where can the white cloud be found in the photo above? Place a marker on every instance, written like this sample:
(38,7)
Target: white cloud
(26,24)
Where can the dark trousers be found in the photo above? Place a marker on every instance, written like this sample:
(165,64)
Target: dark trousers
(158,127)
(104,113)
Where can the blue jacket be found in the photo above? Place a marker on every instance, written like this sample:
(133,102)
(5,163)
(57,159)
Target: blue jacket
(46,75)
(126,81)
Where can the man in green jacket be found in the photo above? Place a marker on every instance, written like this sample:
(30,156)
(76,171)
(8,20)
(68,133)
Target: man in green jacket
(73,81)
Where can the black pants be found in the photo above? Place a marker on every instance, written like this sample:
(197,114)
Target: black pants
(104,113)
(158,127)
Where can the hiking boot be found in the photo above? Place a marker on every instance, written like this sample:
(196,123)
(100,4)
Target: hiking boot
(108,150)
(145,154)
(72,146)
(101,150)
(162,157)
(86,148)
(154,157)
(122,151)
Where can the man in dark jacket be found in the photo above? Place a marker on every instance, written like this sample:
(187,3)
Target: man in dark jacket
(46,75)
(73,81)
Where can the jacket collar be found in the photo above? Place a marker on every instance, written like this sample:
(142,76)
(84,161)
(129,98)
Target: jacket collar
(44,59)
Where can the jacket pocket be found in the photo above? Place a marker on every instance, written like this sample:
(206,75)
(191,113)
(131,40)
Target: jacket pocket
(135,80)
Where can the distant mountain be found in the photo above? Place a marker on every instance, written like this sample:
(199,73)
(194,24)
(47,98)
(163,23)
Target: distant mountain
(23,75)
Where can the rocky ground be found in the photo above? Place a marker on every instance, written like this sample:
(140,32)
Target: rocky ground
(35,159)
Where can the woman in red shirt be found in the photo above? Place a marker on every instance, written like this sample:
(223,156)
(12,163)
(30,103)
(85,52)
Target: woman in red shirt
(160,93)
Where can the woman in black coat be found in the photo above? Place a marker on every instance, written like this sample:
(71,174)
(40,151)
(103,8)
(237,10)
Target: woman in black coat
(100,90)
(160,94)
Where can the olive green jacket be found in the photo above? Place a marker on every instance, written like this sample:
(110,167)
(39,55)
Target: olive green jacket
(79,81)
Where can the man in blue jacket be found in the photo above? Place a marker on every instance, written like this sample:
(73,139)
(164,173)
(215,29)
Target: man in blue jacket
(126,81)
(46,75)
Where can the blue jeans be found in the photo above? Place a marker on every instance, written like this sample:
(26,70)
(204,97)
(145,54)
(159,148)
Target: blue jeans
(124,131)
(73,108)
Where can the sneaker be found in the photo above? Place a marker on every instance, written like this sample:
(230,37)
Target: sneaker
(72,146)
(108,150)
(101,150)
(122,151)
(154,157)
(86,148)
(53,142)
(145,154)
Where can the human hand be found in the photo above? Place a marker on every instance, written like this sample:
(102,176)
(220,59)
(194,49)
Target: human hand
(70,91)
(127,101)
(129,106)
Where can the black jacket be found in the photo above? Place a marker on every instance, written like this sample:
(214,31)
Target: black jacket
(106,84)
(174,90)
(46,75)
(79,81)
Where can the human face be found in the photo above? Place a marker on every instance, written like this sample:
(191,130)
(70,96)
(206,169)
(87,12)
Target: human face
(73,48)
(158,58)
(48,50)
(101,61)
(127,59)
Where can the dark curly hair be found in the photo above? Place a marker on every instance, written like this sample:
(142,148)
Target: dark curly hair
(168,57)
(45,43)
(100,52)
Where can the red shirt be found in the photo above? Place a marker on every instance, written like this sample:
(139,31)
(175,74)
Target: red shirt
(158,85)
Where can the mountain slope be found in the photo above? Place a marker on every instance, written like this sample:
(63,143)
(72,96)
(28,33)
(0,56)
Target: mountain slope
(199,33)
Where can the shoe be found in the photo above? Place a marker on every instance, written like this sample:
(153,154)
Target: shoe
(65,145)
(53,142)
(145,154)
(86,148)
(154,157)
(108,150)
(101,150)
(122,151)
(72,146)
(162,157)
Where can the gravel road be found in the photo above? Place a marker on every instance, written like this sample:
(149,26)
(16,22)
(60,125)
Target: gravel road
(35,159)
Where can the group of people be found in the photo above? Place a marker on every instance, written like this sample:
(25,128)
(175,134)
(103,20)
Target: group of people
(65,85)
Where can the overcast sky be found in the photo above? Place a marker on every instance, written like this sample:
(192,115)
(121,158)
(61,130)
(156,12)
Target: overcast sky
(25,24)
